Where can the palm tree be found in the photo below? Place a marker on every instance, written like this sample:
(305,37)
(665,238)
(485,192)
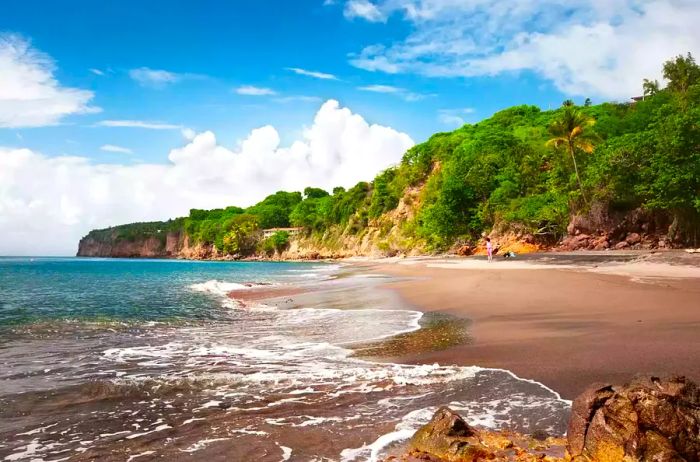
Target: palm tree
(573,131)
(650,87)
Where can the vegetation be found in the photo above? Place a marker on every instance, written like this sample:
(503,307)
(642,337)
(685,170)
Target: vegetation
(523,169)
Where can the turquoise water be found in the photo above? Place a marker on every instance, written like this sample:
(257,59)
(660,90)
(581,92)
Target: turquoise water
(42,289)
(118,360)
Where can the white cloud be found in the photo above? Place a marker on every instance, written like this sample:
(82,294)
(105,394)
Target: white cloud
(97,71)
(30,95)
(114,148)
(314,74)
(363,9)
(402,92)
(250,90)
(451,119)
(188,134)
(154,77)
(584,47)
(71,195)
(381,89)
(455,117)
(138,124)
(298,99)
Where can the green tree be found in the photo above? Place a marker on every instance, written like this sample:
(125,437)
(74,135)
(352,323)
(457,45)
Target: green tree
(650,87)
(314,193)
(572,130)
(681,73)
(242,235)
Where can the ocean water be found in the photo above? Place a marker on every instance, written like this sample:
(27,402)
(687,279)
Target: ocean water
(154,359)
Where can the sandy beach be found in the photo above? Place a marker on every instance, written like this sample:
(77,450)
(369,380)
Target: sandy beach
(565,322)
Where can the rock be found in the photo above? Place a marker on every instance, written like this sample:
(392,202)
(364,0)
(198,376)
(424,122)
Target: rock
(621,245)
(582,238)
(446,435)
(633,238)
(465,250)
(650,419)
(448,438)
(578,242)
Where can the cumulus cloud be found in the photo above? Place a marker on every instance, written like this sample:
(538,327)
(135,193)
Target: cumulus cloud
(115,148)
(30,95)
(250,90)
(584,47)
(314,74)
(138,124)
(48,203)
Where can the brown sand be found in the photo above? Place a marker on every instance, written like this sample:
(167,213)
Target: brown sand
(562,327)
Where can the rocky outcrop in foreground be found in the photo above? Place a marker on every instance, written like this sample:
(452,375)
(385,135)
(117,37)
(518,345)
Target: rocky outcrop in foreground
(648,420)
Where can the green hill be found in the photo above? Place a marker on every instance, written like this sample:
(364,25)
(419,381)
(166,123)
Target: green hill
(605,169)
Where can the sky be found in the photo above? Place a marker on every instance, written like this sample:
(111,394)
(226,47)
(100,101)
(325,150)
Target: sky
(114,112)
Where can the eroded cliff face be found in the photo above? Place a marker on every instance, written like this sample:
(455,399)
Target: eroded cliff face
(169,246)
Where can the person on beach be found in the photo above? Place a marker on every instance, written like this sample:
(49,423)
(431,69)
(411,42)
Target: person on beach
(489,249)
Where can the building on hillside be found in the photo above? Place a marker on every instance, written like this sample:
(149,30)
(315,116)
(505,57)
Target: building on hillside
(270,231)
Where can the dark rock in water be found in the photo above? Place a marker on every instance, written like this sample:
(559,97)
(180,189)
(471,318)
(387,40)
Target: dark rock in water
(650,419)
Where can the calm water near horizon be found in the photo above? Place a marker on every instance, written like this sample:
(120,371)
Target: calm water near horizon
(110,359)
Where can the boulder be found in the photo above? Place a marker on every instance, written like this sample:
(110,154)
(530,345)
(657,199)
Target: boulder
(448,438)
(601,243)
(447,435)
(633,238)
(465,250)
(621,245)
(578,242)
(650,419)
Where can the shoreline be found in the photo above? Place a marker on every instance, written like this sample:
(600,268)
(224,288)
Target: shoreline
(565,320)
(565,327)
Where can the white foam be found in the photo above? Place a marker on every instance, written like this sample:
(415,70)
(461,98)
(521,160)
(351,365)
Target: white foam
(136,456)
(220,288)
(37,430)
(29,450)
(286,452)
(202,444)
(159,428)
(371,452)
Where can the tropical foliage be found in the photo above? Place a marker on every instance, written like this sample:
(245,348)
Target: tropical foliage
(521,168)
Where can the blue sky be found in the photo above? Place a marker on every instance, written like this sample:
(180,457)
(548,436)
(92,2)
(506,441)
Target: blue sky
(122,111)
(219,46)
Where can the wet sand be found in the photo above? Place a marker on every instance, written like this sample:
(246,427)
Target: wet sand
(567,325)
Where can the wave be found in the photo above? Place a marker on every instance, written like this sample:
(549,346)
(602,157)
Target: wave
(222,288)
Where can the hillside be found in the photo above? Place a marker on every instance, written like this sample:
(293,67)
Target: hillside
(591,176)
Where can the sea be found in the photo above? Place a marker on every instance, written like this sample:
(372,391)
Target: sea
(139,360)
